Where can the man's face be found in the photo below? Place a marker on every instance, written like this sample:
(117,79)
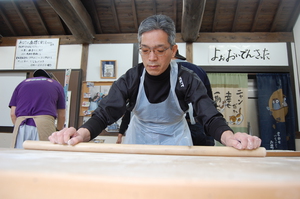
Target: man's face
(156,40)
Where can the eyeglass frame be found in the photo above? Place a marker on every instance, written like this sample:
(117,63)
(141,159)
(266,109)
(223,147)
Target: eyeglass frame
(154,50)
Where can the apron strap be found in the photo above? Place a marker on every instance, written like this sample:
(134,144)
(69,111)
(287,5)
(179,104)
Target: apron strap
(44,124)
(191,114)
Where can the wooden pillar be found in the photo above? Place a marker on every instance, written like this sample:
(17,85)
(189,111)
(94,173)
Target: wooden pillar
(189,52)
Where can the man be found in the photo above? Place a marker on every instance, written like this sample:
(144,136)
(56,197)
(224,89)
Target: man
(158,92)
(35,104)
(199,137)
(197,131)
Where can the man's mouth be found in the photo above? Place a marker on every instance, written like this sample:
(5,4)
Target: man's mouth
(153,66)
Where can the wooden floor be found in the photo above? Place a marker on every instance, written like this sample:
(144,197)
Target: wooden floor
(61,174)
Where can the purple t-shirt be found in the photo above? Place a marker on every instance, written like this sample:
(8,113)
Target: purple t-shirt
(38,96)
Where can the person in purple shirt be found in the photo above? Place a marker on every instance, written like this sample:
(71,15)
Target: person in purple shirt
(35,105)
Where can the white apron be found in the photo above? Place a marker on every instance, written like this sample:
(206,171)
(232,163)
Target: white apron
(160,123)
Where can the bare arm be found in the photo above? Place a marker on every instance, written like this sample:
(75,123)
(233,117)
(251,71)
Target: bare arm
(13,114)
(61,117)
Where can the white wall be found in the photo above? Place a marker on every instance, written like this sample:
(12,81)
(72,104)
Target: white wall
(122,53)
(69,56)
(7,55)
(296,60)
(8,83)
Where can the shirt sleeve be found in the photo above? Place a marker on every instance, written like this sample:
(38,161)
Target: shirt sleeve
(14,97)
(13,101)
(125,122)
(204,107)
(61,102)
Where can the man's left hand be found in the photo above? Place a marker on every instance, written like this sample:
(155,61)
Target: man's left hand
(240,140)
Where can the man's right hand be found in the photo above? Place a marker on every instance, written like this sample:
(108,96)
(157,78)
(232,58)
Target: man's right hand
(70,136)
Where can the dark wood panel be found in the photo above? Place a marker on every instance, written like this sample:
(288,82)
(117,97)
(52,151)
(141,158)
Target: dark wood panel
(203,37)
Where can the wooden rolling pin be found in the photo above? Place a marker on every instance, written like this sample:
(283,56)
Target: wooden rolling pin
(146,149)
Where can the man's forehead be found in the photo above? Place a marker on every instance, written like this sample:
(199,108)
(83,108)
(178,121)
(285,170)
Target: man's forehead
(154,36)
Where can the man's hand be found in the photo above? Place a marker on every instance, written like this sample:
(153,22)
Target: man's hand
(70,136)
(240,140)
(119,140)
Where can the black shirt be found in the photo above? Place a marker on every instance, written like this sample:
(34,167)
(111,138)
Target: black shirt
(189,89)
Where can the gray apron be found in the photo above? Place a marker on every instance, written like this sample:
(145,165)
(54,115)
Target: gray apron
(160,123)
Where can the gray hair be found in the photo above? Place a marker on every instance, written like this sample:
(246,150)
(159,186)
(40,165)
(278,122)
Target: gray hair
(158,22)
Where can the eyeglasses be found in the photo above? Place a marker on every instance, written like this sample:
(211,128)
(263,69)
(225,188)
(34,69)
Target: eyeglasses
(158,51)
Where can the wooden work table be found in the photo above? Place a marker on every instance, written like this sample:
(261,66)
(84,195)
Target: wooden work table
(61,174)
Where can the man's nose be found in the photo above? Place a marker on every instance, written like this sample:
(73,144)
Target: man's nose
(152,55)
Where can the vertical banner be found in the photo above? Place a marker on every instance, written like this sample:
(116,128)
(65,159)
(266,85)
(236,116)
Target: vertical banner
(276,111)
(230,93)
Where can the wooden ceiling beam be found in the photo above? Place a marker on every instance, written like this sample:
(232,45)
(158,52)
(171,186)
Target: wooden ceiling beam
(204,37)
(134,15)
(75,16)
(40,16)
(245,37)
(20,14)
(234,37)
(91,7)
(192,14)
(154,7)
(174,17)
(215,20)
(236,16)
(7,22)
(256,20)
(277,17)
(116,19)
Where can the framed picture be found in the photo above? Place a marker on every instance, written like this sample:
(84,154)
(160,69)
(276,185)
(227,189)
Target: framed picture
(108,69)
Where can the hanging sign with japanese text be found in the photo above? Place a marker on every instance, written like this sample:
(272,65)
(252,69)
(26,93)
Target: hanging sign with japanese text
(241,54)
(36,53)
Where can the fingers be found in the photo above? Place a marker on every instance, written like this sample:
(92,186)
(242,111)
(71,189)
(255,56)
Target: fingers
(254,141)
(63,136)
(53,137)
(245,141)
(119,140)
(75,140)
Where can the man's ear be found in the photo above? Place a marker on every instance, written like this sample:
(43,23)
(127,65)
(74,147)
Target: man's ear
(174,50)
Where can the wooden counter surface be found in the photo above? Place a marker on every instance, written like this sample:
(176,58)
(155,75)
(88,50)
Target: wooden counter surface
(61,174)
